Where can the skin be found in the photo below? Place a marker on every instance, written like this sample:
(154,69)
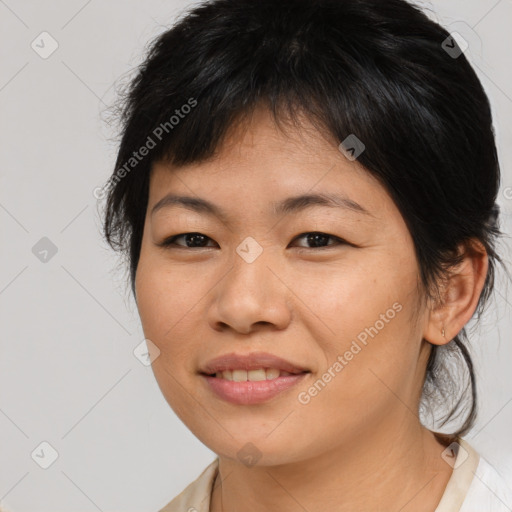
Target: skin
(358,444)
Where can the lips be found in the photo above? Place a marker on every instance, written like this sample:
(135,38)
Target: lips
(253,361)
(238,378)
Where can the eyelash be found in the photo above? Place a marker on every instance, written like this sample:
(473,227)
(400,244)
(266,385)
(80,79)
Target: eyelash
(169,243)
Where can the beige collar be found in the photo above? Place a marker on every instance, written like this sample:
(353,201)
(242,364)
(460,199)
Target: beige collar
(466,460)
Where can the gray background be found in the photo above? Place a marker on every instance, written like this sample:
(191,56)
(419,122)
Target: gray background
(68,375)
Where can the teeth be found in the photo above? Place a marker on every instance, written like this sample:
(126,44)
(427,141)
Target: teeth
(272,373)
(239,375)
(227,374)
(256,375)
(252,375)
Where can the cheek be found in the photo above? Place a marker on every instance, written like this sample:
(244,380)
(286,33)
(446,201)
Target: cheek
(368,314)
(164,293)
(347,299)
(165,301)
(165,304)
(362,382)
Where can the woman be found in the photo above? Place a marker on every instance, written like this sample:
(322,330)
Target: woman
(305,191)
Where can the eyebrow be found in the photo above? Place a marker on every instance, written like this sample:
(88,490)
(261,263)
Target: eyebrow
(285,207)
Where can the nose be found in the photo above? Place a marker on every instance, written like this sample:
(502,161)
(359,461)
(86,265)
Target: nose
(251,296)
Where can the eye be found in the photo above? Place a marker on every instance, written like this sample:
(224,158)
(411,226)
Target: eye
(319,240)
(195,239)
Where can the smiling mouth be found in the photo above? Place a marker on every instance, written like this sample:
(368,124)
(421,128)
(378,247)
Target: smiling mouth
(256,375)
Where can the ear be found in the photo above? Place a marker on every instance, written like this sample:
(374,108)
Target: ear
(459,295)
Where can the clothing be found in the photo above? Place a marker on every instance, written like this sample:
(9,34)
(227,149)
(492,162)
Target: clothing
(474,486)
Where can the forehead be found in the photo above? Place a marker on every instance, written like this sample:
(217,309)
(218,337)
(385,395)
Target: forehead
(259,162)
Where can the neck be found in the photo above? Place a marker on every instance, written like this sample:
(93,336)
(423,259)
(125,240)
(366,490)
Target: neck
(388,469)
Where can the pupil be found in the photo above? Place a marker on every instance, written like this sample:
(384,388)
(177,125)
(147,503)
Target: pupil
(315,239)
(194,238)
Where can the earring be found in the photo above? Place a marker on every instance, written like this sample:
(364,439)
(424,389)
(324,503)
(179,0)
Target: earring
(442,332)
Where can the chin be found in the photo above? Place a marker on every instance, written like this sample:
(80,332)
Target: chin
(256,450)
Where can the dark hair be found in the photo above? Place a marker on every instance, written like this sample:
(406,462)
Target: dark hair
(380,70)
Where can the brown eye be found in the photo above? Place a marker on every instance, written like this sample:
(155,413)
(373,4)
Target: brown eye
(192,240)
(320,240)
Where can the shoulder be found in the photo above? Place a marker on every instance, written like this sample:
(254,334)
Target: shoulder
(196,496)
(475,485)
(488,491)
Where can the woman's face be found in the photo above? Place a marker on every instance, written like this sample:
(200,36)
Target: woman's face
(341,304)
